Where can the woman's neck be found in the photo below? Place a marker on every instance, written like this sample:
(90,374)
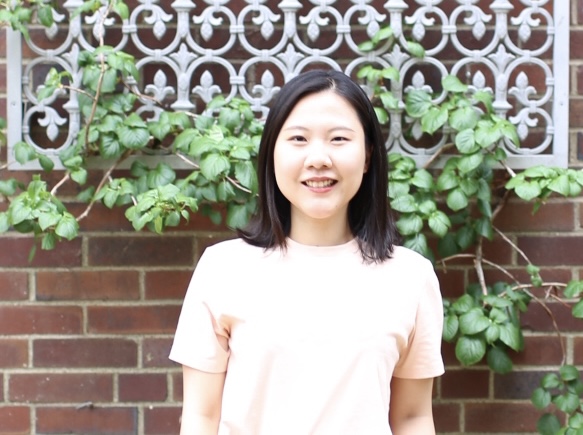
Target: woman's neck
(322,232)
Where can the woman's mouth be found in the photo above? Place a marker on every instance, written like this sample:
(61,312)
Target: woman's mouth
(319,184)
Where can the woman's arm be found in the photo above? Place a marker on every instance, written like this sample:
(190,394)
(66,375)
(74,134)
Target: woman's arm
(411,408)
(201,403)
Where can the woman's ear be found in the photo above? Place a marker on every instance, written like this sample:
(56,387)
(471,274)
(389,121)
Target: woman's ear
(367,159)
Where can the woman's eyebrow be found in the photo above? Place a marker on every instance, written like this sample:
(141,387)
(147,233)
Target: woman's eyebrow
(299,127)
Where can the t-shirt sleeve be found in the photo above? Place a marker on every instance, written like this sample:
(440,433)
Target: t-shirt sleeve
(200,341)
(422,356)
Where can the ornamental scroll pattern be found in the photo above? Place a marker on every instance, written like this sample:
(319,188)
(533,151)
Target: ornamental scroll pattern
(513,49)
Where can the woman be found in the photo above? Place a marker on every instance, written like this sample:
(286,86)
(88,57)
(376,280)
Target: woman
(313,321)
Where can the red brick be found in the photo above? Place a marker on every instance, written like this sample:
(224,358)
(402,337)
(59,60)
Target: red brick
(500,417)
(15,252)
(40,320)
(178,387)
(144,387)
(553,216)
(516,385)
(576,112)
(575,37)
(140,251)
(133,320)
(539,351)
(578,350)
(13,353)
(204,242)
(15,420)
(162,420)
(85,352)
(465,384)
(13,286)
(167,284)
(155,352)
(102,218)
(60,387)
(89,420)
(446,417)
(451,282)
(87,285)
(448,354)
(552,250)
(537,319)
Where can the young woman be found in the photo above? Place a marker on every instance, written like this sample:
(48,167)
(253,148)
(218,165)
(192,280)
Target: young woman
(313,321)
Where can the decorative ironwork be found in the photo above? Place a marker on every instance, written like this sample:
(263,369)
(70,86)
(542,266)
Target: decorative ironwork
(191,51)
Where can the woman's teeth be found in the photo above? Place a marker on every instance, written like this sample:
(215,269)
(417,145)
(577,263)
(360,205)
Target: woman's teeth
(319,184)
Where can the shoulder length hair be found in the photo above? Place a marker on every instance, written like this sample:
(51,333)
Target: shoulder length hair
(369,215)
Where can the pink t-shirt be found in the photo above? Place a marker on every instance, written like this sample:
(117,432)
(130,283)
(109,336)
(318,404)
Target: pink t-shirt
(309,337)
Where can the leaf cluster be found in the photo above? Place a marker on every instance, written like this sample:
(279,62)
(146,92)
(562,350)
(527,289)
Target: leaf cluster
(486,325)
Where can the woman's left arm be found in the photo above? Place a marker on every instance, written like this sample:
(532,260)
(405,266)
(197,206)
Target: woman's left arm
(411,407)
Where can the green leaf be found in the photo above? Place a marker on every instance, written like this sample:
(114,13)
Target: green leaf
(160,176)
(8,187)
(45,15)
(450,327)
(470,162)
(457,200)
(510,335)
(550,381)
(19,211)
(133,138)
(417,103)
(567,402)
(4,222)
(237,215)
(404,204)
(451,83)
(464,118)
(109,147)
(67,227)
(23,152)
(465,142)
(487,134)
(422,179)
(213,165)
(48,242)
(439,223)
(578,310)
(122,10)
(569,373)
(446,181)
(79,176)
(548,424)
(541,398)
(470,350)
(560,185)
(492,334)
(528,190)
(382,115)
(574,288)
(415,49)
(409,224)
(417,243)
(48,219)
(473,322)
(499,361)
(246,175)
(109,82)
(434,119)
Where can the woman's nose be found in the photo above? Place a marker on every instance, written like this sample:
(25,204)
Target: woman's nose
(317,156)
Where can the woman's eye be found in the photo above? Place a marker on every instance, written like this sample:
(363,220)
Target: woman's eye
(298,139)
(340,139)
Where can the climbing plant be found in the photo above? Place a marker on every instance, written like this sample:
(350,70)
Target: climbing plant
(456,202)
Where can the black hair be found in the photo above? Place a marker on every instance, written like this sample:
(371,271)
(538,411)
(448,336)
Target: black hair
(369,215)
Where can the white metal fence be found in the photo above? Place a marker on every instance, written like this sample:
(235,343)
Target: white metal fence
(190,51)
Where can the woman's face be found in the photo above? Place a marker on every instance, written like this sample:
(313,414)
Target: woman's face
(320,158)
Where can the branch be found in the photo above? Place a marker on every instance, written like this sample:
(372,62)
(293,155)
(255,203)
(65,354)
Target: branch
(511,243)
(102,73)
(501,269)
(60,183)
(500,205)
(102,183)
(438,153)
(229,179)
(479,268)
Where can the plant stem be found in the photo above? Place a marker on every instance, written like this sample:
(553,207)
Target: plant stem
(60,183)
(479,269)
(511,243)
(438,153)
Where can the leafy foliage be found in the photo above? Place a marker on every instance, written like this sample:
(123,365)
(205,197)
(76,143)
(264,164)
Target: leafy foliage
(455,203)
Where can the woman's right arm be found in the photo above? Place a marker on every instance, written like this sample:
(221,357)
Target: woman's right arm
(202,398)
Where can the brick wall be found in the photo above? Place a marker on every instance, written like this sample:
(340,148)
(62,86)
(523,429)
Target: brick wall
(85,329)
